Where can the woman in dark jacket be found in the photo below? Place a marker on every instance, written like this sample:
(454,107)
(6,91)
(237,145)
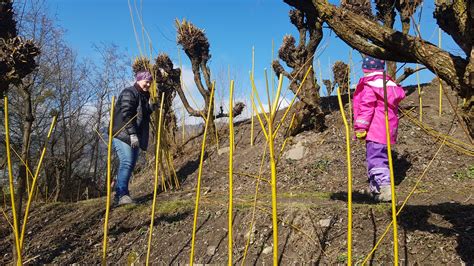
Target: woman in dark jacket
(131,129)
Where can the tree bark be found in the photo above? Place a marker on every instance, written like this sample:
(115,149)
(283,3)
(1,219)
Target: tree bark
(392,45)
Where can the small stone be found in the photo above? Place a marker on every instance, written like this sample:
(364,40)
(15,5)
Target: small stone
(325,222)
(211,250)
(297,152)
(223,150)
(267,250)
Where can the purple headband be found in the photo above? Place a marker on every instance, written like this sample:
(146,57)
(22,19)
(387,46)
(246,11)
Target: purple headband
(143,75)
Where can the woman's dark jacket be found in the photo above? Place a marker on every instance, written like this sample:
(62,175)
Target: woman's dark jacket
(132,101)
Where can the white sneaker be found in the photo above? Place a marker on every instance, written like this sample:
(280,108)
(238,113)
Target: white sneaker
(385,194)
(125,199)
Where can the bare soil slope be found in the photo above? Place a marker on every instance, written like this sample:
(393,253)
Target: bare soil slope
(435,226)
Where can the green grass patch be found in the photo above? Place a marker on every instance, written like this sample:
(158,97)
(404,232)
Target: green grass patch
(464,174)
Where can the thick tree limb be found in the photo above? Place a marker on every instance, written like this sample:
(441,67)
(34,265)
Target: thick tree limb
(392,45)
(197,80)
(278,68)
(456,18)
(236,111)
(408,71)
(191,111)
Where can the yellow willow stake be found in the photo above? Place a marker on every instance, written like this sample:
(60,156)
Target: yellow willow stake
(420,102)
(273,170)
(287,138)
(183,123)
(292,101)
(170,163)
(274,188)
(12,190)
(273,73)
(198,188)
(321,77)
(268,90)
(109,174)
(252,98)
(440,97)
(349,88)
(277,97)
(440,84)
(270,139)
(217,136)
(260,122)
(349,181)
(262,125)
(404,203)
(254,208)
(231,180)
(155,189)
(392,181)
(251,120)
(33,185)
(258,99)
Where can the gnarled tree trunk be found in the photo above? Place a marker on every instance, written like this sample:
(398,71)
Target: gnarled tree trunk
(299,58)
(371,38)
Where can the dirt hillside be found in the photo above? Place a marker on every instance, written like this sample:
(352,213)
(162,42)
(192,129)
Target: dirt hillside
(435,226)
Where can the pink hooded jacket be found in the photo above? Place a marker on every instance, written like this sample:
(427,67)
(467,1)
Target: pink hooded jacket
(368,105)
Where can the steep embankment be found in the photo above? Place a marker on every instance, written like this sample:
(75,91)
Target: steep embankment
(434,227)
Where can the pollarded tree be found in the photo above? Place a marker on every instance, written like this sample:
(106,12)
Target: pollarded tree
(196,46)
(168,84)
(299,57)
(17,56)
(340,71)
(370,37)
(17,60)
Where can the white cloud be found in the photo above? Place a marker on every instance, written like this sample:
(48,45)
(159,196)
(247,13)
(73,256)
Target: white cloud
(197,102)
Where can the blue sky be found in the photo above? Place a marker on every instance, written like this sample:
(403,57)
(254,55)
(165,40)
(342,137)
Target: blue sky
(233,27)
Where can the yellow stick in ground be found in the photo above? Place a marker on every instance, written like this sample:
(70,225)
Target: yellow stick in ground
(273,171)
(254,88)
(267,87)
(292,101)
(256,109)
(252,122)
(440,83)
(254,208)
(392,181)
(321,77)
(12,190)
(419,95)
(183,124)
(273,72)
(349,180)
(35,177)
(198,188)
(109,174)
(440,97)
(349,88)
(286,139)
(404,203)
(155,189)
(231,169)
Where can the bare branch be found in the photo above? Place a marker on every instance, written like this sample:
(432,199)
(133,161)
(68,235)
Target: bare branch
(408,71)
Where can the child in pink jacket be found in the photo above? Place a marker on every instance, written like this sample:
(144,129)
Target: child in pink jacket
(369,123)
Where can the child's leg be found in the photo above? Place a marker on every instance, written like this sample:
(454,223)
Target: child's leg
(377,166)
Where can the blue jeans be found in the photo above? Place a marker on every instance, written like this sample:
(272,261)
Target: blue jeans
(127,159)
